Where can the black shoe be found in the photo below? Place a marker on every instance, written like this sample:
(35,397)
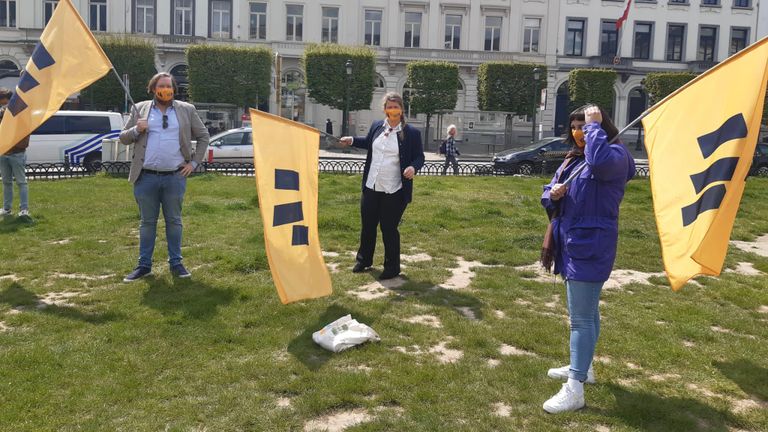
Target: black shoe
(180,272)
(359,268)
(137,273)
(389,274)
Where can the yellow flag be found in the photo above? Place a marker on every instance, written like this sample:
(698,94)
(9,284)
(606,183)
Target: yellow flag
(66,60)
(700,142)
(285,155)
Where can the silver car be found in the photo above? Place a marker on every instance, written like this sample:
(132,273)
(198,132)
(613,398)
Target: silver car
(234,145)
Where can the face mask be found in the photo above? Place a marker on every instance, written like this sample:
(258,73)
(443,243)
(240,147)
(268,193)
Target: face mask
(164,94)
(393,113)
(578,136)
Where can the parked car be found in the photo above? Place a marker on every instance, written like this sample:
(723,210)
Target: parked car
(234,145)
(73,138)
(760,161)
(531,159)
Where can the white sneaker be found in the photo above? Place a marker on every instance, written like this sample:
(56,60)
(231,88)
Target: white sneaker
(4,212)
(561,373)
(565,400)
(24,213)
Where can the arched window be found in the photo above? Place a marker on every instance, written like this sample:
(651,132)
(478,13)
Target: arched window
(638,102)
(408,93)
(562,109)
(181,75)
(378,82)
(293,92)
(8,65)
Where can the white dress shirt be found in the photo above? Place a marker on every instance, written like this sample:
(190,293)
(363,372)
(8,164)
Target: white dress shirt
(384,174)
(163,149)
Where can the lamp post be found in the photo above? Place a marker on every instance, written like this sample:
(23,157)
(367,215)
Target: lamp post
(535,102)
(345,120)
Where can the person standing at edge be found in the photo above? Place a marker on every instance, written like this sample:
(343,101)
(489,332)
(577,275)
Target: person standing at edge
(585,227)
(12,165)
(451,151)
(162,130)
(395,154)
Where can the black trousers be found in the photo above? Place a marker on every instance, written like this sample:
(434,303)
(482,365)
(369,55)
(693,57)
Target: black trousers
(379,208)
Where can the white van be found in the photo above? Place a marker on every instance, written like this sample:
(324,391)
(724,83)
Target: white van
(73,137)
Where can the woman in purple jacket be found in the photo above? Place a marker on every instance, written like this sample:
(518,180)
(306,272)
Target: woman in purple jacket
(585,231)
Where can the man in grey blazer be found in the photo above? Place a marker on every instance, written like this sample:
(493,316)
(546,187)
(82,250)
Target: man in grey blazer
(161,131)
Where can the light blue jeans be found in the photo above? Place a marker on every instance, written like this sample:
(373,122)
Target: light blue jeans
(584,309)
(11,166)
(151,192)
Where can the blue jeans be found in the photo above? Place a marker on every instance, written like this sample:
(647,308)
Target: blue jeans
(11,166)
(584,309)
(152,191)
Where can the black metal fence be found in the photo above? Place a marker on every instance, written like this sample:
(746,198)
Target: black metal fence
(341,166)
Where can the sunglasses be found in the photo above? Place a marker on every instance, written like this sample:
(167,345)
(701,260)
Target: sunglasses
(165,121)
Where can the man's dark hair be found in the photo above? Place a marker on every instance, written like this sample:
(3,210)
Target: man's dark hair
(5,93)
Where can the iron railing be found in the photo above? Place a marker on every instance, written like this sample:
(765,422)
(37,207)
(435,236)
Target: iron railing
(340,166)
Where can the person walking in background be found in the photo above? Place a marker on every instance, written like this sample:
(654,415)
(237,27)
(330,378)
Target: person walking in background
(449,149)
(329,127)
(12,166)
(162,130)
(395,154)
(585,229)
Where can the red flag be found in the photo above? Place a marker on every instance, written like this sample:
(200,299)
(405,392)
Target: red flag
(623,16)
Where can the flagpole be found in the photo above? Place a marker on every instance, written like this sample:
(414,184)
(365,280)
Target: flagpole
(125,89)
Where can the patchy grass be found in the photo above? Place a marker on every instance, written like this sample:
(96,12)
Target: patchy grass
(80,350)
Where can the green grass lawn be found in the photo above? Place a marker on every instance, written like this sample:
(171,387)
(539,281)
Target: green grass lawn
(220,353)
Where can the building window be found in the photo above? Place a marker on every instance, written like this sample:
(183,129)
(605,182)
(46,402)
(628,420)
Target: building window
(710,2)
(742,3)
(182,17)
(97,14)
(453,32)
(8,13)
(330,24)
(221,19)
(258,23)
(675,42)
(48,7)
(295,24)
(145,16)
(643,40)
(412,30)
(739,38)
(685,2)
(373,27)
(574,37)
(609,38)
(638,102)
(408,93)
(707,41)
(531,30)
(378,82)
(492,33)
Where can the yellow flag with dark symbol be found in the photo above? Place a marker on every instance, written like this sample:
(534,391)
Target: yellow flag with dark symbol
(700,142)
(66,60)
(285,155)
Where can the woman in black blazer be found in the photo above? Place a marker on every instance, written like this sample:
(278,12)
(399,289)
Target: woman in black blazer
(395,154)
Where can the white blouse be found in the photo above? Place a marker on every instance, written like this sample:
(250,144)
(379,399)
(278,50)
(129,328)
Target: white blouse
(384,174)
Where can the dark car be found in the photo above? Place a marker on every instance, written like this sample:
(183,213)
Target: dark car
(541,156)
(760,161)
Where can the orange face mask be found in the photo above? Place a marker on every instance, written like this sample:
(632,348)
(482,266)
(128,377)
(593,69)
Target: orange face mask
(164,94)
(578,136)
(393,113)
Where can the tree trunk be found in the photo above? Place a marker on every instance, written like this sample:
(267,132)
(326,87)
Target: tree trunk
(426,133)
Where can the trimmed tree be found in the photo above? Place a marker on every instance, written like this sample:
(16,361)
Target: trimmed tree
(659,85)
(592,86)
(435,85)
(509,87)
(129,55)
(228,74)
(327,80)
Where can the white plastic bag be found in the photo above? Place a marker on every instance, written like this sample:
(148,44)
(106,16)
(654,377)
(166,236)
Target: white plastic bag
(344,333)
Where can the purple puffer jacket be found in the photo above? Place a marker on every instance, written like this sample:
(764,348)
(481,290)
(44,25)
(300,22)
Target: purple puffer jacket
(587,228)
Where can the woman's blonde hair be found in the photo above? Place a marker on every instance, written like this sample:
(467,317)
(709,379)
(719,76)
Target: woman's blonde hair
(448,130)
(398,99)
